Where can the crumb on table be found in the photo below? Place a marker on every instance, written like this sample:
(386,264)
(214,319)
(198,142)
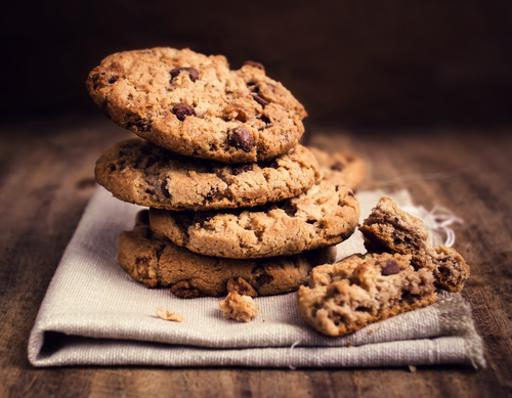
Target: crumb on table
(168,315)
(238,307)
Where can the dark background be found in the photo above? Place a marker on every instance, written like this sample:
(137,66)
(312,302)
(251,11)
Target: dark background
(357,63)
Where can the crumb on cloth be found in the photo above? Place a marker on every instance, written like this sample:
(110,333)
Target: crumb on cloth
(238,307)
(168,315)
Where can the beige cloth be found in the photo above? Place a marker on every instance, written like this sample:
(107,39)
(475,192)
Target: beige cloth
(94,314)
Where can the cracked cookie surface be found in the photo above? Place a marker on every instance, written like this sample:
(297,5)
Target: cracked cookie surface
(323,216)
(196,105)
(139,172)
(344,297)
(390,229)
(341,167)
(157,262)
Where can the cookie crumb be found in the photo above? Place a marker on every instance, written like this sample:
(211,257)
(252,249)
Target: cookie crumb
(238,308)
(167,315)
(412,368)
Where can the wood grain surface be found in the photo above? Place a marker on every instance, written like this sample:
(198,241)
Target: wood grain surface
(46,171)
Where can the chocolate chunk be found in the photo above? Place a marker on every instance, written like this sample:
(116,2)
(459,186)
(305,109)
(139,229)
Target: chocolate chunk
(113,79)
(263,279)
(289,209)
(192,73)
(96,80)
(260,100)
(255,64)
(185,289)
(182,111)
(390,268)
(241,286)
(142,260)
(338,166)
(242,169)
(214,193)
(265,119)
(253,85)
(241,138)
(138,124)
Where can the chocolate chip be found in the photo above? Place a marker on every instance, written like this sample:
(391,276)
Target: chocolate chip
(253,85)
(185,289)
(289,209)
(138,124)
(265,119)
(96,80)
(192,73)
(263,279)
(260,100)
(242,169)
(261,276)
(338,166)
(272,163)
(390,268)
(182,111)
(241,138)
(213,194)
(163,188)
(255,64)
(113,79)
(142,260)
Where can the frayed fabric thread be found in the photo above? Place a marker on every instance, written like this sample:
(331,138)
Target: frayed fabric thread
(440,219)
(295,344)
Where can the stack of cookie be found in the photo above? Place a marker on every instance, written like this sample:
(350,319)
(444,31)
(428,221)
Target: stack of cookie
(235,203)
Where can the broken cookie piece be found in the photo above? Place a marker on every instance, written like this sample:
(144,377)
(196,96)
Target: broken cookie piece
(238,307)
(450,269)
(392,230)
(346,296)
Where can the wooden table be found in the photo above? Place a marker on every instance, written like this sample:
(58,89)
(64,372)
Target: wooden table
(46,179)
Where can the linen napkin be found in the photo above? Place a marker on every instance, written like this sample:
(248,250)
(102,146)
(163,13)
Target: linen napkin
(94,314)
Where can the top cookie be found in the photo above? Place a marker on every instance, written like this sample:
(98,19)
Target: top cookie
(195,105)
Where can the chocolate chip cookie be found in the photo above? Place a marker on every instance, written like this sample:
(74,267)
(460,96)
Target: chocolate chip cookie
(346,296)
(341,167)
(139,172)
(196,105)
(323,216)
(157,262)
(390,229)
